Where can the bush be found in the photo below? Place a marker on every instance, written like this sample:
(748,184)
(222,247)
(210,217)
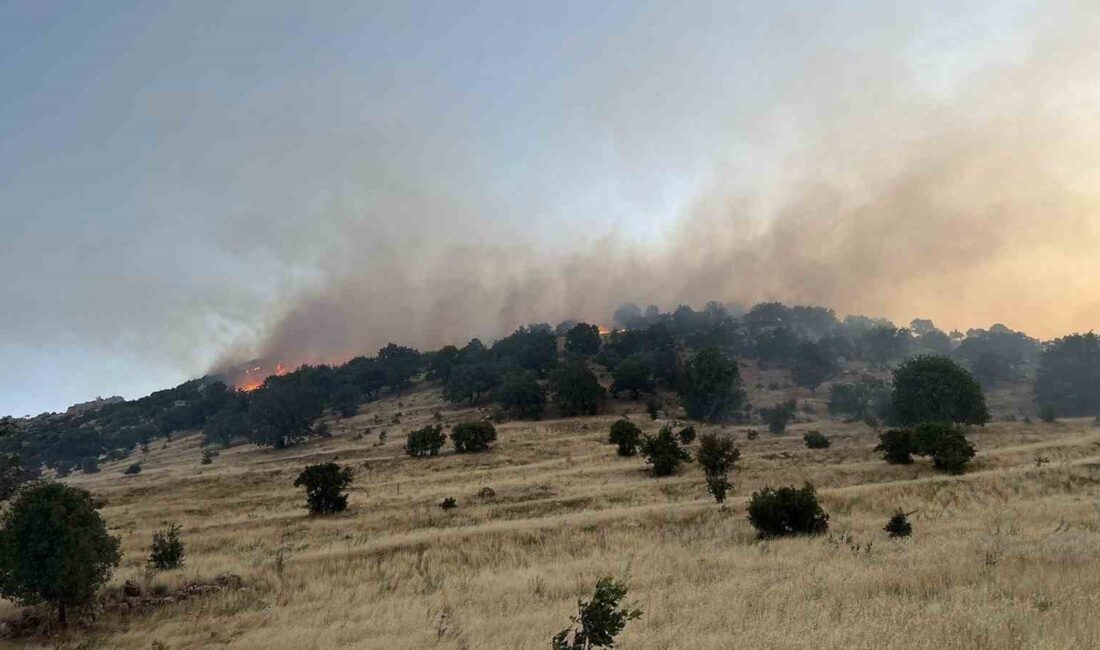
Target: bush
(166,552)
(899,525)
(133,469)
(472,437)
(521,395)
(1068,377)
(448,503)
(632,374)
(663,452)
(54,547)
(752,434)
(653,408)
(583,339)
(1048,414)
(208,456)
(931,388)
(945,443)
(779,416)
(576,389)
(710,387)
(325,484)
(787,511)
(861,399)
(426,441)
(687,435)
(625,435)
(896,446)
(717,455)
(816,440)
(599,620)
(89,465)
(346,400)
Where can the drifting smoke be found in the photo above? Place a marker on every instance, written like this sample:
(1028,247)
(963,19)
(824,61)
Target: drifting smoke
(972,203)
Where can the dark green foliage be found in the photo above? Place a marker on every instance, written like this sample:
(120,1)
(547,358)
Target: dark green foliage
(663,452)
(779,416)
(346,400)
(866,397)
(426,441)
(717,455)
(470,382)
(936,389)
(998,354)
(653,408)
(813,364)
(583,340)
(710,387)
(816,440)
(1068,377)
(899,525)
(54,547)
(884,344)
(399,365)
(89,465)
(166,551)
(133,469)
(775,512)
(632,374)
(472,437)
(576,390)
(1048,414)
(896,446)
(325,484)
(599,620)
(686,435)
(208,456)
(283,410)
(528,348)
(448,503)
(625,436)
(521,395)
(752,434)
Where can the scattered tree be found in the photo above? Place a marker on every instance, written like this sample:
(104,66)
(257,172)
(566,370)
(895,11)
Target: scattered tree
(896,446)
(1068,378)
(583,340)
(426,441)
(282,412)
(474,436)
(867,396)
(521,395)
(813,364)
(945,443)
(936,389)
(779,416)
(686,435)
(816,440)
(325,484)
(632,374)
(775,512)
(717,455)
(166,551)
(599,620)
(710,387)
(133,469)
(625,436)
(663,452)
(1048,414)
(576,389)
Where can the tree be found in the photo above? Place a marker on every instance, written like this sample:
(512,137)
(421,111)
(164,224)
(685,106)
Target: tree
(54,547)
(576,390)
(717,455)
(226,425)
(864,397)
(282,412)
(813,364)
(663,452)
(325,484)
(787,511)
(166,551)
(632,374)
(944,442)
(399,365)
(599,620)
(426,441)
(469,382)
(816,440)
(885,343)
(346,400)
(710,387)
(936,389)
(12,475)
(896,446)
(625,435)
(522,396)
(779,416)
(473,437)
(1068,377)
(583,340)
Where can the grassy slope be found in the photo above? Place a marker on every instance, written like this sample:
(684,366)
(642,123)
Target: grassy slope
(1007,556)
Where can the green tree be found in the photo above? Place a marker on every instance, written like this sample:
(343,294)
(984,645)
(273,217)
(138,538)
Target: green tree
(710,387)
(599,620)
(864,397)
(625,436)
(54,547)
(470,382)
(522,396)
(325,484)
(166,551)
(225,426)
(632,374)
(576,390)
(936,389)
(346,400)
(473,437)
(779,416)
(282,412)
(663,452)
(583,340)
(399,365)
(717,455)
(426,441)
(12,475)
(813,364)
(1068,378)
(775,512)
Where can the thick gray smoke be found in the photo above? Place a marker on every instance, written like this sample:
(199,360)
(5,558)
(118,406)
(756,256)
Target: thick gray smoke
(853,176)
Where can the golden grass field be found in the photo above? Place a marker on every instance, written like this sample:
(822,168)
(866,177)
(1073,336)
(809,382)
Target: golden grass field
(1006,556)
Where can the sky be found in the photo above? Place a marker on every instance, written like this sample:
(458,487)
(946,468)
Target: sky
(187,185)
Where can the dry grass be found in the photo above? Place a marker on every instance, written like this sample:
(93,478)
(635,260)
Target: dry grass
(1007,556)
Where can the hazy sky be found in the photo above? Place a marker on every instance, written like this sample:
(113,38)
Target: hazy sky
(182,183)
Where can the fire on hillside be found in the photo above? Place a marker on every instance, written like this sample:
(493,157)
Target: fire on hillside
(250,376)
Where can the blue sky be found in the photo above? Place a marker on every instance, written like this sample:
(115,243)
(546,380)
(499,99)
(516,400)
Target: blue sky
(175,177)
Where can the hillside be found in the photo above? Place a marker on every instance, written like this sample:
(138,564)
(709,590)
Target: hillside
(1005,556)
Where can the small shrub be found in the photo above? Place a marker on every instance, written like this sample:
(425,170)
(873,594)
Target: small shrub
(718,485)
(663,452)
(896,446)
(1041,460)
(778,416)
(717,454)
(687,435)
(899,525)
(472,437)
(325,484)
(486,493)
(208,456)
(752,434)
(426,441)
(947,445)
(448,503)
(816,440)
(625,435)
(89,465)
(166,552)
(653,408)
(1048,414)
(776,512)
(133,469)
(599,620)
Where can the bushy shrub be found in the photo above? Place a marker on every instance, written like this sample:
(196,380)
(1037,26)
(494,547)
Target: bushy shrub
(625,435)
(325,484)
(133,469)
(816,440)
(775,512)
(1047,413)
(716,455)
(945,443)
(930,388)
(89,465)
(521,395)
(653,408)
(663,452)
(599,620)
(633,374)
(426,441)
(208,456)
(687,435)
(474,436)
(710,387)
(779,416)
(896,446)
(166,551)
(898,525)
(448,503)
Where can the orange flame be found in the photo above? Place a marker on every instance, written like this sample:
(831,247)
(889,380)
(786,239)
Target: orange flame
(254,378)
